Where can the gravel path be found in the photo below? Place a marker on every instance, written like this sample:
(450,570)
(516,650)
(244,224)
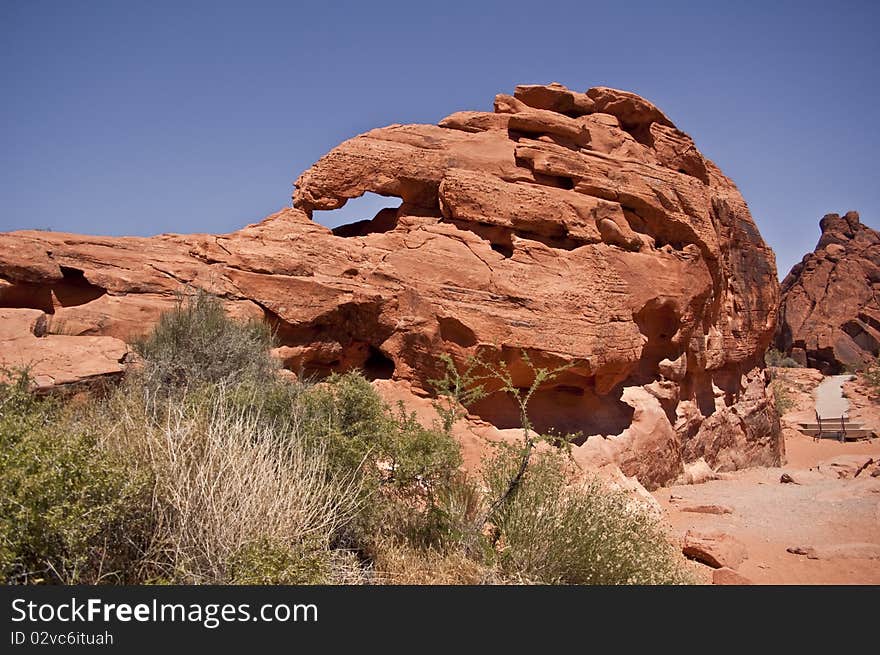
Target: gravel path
(830,402)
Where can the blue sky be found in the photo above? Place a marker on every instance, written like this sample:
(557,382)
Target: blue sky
(149,117)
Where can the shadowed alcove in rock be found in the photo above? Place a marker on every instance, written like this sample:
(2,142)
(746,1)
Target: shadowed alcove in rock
(564,409)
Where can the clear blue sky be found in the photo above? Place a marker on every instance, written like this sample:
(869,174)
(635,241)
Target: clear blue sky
(148,117)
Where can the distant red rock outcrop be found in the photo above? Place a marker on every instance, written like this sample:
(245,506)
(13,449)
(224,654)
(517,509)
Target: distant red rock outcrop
(829,318)
(582,228)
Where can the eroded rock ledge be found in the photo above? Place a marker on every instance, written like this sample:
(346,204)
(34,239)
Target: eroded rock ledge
(582,228)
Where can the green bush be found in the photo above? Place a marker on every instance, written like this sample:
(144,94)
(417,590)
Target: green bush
(403,466)
(266,563)
(778,359)
(359,432)
(445,522)
(782,396)
(197,343)
(69,511)
(555,532)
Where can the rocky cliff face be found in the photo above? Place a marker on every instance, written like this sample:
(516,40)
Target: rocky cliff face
(581,228)
(830,313)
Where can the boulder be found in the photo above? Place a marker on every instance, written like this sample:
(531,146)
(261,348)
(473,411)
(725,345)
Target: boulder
(715,549)
(554,97)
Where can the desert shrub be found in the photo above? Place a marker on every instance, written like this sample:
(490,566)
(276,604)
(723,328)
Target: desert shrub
(264,562)
(782,396)
(358,431)
(778,359)
(394,470)
(403,465)
(416,455)
(553,531)
(399,562)
(406,471)
(198,343)
(350,418)
(871,376)
(236,499)
(70,512)
(444,522)
(457,389)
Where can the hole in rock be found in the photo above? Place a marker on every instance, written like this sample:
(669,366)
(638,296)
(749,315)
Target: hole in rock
(665,232)
(378,365)
(641,132)
(316,360)
(75,289)
(368,214)
(347,323)
(564,409)
(555,181)
(453,330)
(503,250)
(658,321)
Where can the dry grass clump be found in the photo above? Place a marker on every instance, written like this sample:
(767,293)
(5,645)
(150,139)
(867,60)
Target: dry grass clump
(400,563)
(229,488)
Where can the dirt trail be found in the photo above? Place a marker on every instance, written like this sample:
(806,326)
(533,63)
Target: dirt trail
(826,507)
(830,402)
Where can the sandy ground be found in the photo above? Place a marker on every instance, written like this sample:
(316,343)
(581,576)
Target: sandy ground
(768,517)
(821,510)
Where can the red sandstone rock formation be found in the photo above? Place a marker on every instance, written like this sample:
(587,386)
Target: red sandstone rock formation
(581,228)
(56,359)
(830,312)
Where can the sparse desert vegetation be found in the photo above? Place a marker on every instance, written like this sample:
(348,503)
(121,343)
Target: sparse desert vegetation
(871,377)
(204,466)
(777,359)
